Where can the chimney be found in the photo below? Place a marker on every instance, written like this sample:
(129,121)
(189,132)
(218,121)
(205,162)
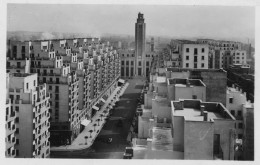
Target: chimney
(202,108)
(205,115)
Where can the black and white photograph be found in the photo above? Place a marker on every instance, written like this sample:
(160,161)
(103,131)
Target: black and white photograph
(145,81)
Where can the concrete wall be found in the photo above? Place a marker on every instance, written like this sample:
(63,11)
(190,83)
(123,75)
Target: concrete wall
(226,130)
(63,103)
(187,92)
(198,140)
(161,109)
(248,133)
(143,127)
(25,131)
(216,83)
(178,133)
(148,100)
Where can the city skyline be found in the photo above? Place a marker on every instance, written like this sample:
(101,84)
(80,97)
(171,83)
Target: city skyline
(178,21)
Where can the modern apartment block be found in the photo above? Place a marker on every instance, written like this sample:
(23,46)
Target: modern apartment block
(195,56)
(203,130)
(30,108)
(77,72)
(10,126)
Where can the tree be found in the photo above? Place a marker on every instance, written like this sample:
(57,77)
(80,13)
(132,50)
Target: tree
(101,115)
(94,126)
(98,121)
(90,131)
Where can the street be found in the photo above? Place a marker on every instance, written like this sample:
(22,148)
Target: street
(117,128)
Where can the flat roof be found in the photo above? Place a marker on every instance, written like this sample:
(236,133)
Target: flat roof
(190,109)
(192,114)
(162,139)
(176,69)
(161,79)
(185,82)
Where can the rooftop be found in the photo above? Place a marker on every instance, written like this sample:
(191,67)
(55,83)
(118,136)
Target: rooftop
(194,109)
(185,82)
(22,74)
(161,79)
(176,69)
(162,139)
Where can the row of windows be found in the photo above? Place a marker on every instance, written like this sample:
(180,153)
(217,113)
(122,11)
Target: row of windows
(195,58)
(195,65)
(139,63)
(127,55)
(195,50)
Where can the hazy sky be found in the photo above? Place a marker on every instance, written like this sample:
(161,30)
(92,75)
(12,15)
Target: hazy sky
(188,21)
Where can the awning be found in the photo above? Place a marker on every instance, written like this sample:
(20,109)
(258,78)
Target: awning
(85,122)
(102,100)
(105,97)
(121,81)
(101,103)
(95,107)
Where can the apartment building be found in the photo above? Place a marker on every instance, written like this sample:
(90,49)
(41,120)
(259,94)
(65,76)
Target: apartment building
(195,56)
(30,105)
(214,79)
(10,125)
(221,45)
(240,108)
(78,73)
(194,120)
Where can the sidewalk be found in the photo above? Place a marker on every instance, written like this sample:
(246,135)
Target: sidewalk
(81,142)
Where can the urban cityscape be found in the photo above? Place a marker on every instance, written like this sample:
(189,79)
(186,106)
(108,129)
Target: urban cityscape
(104,95)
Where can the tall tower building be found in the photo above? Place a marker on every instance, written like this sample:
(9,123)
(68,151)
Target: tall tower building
(140,45)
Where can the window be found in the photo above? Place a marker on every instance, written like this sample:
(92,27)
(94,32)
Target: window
(202,50)
(232,112)
(195,51)
(240,125)
(194,97)
(187,50)
(127,62)
(139,63)
(50,87)
(239,113)
(240,136)
(187,57)
(16,108)
(122,63)
(34,82)
(132,62)
(202,65)
(27,86)
(231,100)
(147,63)
(195,58)
(195,65)
(202,57)
(187,65)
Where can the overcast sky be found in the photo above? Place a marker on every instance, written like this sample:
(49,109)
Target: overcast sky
(193,21)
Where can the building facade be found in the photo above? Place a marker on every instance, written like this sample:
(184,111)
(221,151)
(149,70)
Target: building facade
(30,103)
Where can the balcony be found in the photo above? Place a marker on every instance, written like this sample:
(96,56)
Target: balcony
(13,127)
